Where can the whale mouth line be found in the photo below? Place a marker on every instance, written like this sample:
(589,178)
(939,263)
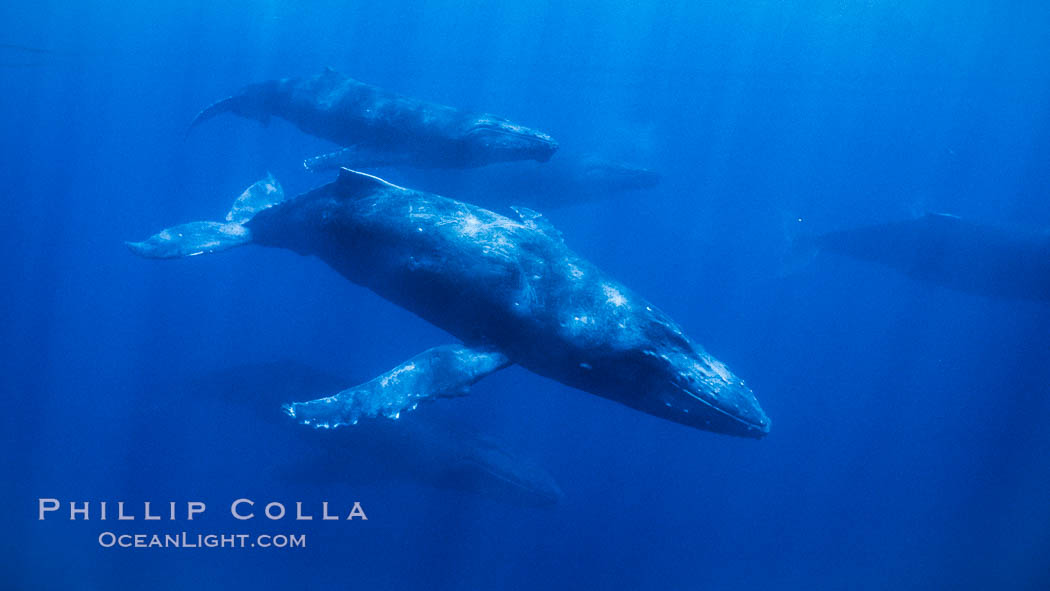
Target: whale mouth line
(762,428)
(517,133)
(511,134)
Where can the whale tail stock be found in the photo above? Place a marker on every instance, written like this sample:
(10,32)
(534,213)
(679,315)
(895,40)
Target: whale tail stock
(231,104)
(196,238)
(255,101)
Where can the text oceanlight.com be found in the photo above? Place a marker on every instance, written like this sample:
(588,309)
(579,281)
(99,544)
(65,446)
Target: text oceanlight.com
(186,540)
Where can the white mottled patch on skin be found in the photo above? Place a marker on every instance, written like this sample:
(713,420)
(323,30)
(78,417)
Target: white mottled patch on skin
(575,272)
(394,375)
(470,225)
(495,234)
(577,323)
(715,370)
(613,295)
(721,370)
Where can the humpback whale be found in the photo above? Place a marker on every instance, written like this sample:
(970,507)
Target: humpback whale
(381,128)
(565,179)
(961,254)
(419,448)
(510,290)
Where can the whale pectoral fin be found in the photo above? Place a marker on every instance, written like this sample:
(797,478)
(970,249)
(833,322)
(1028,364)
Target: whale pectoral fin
(191,239)
(353,157)
(331,160)
(440,372)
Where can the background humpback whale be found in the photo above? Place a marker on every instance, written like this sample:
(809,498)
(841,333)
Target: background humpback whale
(421,448)
(960,254)
(565,179)
(381,128)
(512,291)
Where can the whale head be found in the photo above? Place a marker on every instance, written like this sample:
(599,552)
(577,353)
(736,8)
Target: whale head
(688,386)
(492,139)
(485,466)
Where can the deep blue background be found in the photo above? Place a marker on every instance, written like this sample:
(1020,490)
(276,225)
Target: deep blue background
(908,448)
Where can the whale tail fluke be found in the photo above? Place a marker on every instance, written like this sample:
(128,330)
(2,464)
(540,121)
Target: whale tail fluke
(196,238)
(262,195)
(186,240)
(226,105)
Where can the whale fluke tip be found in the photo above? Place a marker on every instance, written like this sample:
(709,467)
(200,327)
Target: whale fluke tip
(215,109)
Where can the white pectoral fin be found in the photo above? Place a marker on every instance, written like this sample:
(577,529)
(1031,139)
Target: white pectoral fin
(440,372)
(354,157)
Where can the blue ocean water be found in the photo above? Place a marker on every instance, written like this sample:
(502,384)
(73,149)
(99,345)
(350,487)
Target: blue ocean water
(907,447)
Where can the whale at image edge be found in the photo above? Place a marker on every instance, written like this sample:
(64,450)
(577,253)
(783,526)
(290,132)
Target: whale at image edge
(512,291)
(961,254)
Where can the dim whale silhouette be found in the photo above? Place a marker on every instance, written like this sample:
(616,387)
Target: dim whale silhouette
(510,290)
(566,179)
(954,252)
(419,448)
(381,128)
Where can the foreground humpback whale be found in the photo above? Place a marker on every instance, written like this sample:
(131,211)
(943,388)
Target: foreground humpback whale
(960,254)
(381,128)
(566,179)
(418,448)
(512,291)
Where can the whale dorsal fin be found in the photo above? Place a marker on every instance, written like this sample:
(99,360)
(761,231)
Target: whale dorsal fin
(352,180)
(535,219)
(262,195)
